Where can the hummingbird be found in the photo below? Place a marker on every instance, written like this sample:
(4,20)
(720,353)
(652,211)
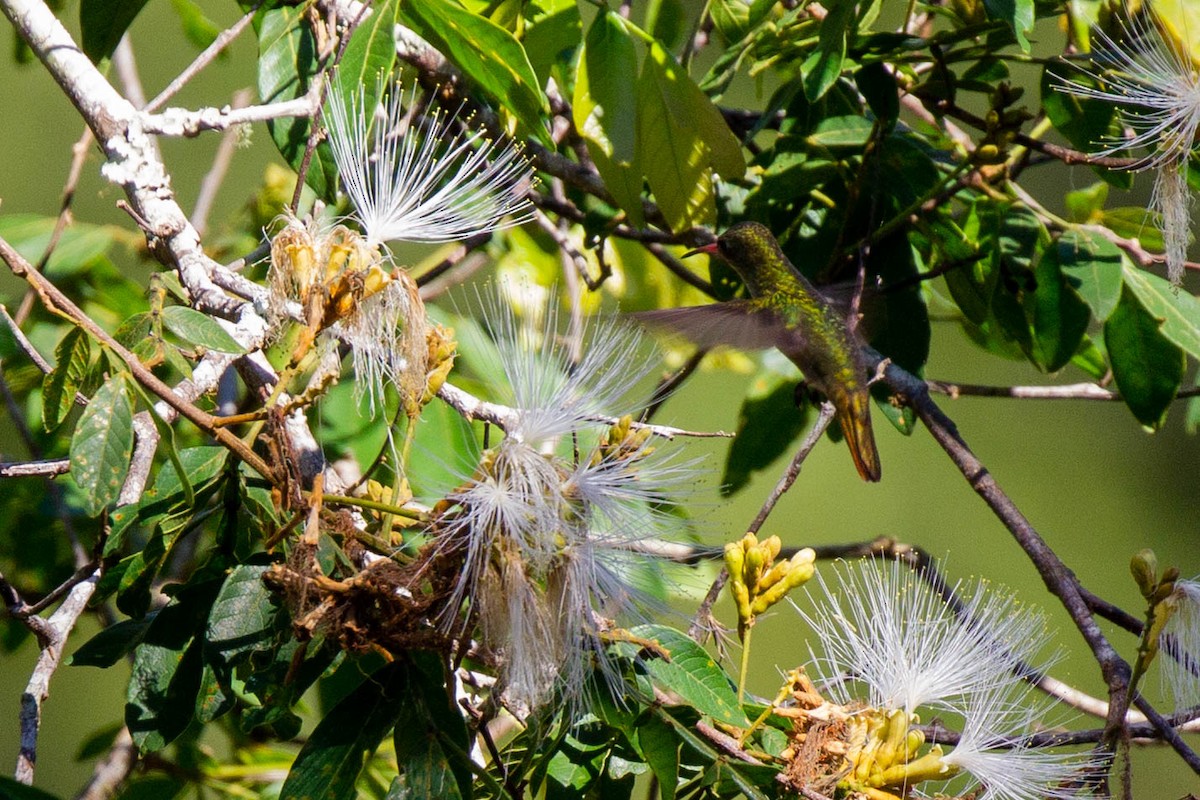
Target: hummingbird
(787,312)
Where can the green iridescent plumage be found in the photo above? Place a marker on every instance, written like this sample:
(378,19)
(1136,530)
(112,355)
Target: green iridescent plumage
(787,312)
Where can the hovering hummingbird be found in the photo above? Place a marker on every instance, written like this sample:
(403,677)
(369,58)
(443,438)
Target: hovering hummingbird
(787,312)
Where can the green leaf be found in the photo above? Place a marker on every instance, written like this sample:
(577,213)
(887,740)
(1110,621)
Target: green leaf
(659,746)
(733,19)
(113,643)
(1059,317)
(102,445)
(848,131)
(682,138)
(201,465)
(166,670)
(822,69)
(1147,367)
(81,247)
(721,769)
(605,110)
(440,715)
(243,617)
(426,726)
(1086,205)
(370,55)
(1017,13)
(487,54)
(1178,310)
(693,675)
(768,423)
(102,23)
(328,764)
(199,29)
(1092,265)
(59,387)
(1084,121)
(1134,222)
(878,86)
(162,691)
(555,31)
(287,66)
(214,697)
(197,328)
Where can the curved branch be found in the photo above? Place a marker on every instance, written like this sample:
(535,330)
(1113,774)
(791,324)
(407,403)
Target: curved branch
(1055,574)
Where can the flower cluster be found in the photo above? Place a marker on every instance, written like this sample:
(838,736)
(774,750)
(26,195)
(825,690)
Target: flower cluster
(1155,83)
(549,522)
(896,649)
(410,178)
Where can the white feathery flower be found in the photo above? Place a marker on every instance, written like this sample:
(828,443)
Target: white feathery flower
(892,633)
(438,184)
(887,629)
(553,397)
(993,749)
(548,541)
(1156,86)
(1179,646)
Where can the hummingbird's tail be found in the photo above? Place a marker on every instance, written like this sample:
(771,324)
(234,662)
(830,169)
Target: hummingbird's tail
(855,420)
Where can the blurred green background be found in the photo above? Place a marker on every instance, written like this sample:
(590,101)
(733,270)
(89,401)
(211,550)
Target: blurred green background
(1095,486)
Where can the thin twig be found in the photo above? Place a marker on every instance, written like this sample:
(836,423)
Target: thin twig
(1169,734)
(702,621)
(668,385)
(824,417)
(111,770)
(57,302)
(206,57)
(220,166)
(79,153)
(37,690)
(46,468)
(504,417)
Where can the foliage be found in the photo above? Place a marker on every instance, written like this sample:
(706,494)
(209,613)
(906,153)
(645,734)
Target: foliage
(431,629)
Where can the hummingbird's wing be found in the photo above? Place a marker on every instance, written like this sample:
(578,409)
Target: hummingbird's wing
(744,324)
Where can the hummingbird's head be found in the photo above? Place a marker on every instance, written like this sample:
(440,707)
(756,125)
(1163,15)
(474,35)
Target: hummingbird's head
(748,247)
(747,244)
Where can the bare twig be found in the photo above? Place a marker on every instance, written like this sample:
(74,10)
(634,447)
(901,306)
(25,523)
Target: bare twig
(206,57)
(111,770)
(1073,391)
(1169,733)
(702,621)
(824,417)
(79,153)
(504,417)
(668,385)
(53,641)
(220,166)
(47,468)
(181,122)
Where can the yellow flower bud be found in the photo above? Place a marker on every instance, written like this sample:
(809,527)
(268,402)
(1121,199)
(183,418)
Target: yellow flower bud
(1144,566)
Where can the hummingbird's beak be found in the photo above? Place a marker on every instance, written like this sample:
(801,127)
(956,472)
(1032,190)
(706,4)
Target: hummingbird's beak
(711,249)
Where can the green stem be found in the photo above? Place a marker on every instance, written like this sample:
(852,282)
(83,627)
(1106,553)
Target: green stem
(745,662)
(374,505)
